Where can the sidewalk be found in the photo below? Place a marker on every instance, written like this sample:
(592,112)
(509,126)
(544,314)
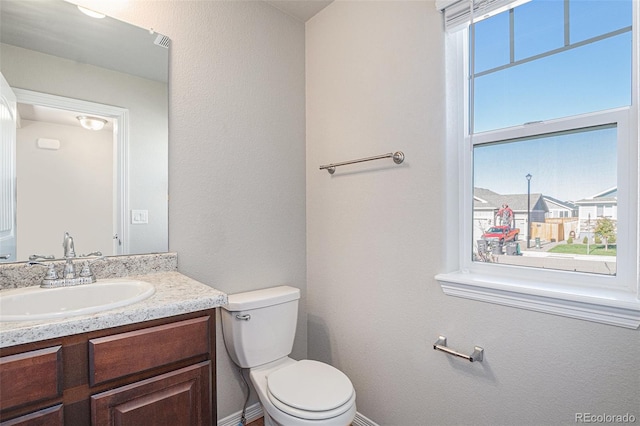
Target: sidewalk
(539,258)
(544,246)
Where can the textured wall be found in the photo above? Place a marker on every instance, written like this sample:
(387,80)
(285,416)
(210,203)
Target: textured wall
(236,149)
(375,83)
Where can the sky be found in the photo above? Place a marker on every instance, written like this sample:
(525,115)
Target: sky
(567,167)
(592,77)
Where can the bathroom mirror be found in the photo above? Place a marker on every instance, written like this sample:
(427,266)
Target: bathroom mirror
(63,63)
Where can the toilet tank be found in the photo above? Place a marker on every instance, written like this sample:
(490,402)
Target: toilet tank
(260,326)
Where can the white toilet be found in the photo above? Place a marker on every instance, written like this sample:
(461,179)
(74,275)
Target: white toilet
(259,328)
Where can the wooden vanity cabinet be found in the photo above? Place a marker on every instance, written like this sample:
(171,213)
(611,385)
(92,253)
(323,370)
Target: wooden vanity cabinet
(153,373)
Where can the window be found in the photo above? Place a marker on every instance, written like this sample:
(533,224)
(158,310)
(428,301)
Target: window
(516,180)
(543,129)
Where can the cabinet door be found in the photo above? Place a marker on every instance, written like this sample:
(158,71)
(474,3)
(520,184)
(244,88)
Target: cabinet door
(43,380)
(181,397)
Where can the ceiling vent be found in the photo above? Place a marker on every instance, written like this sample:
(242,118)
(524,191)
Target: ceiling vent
(162,41)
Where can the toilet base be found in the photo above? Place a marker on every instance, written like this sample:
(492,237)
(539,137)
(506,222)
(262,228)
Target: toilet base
(268,421)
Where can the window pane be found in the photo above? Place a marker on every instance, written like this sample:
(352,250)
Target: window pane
(591,18)
(491,42)
(589,78)
(538,28)
(570,199)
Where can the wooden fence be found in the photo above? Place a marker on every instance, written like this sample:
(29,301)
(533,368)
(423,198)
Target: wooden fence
(555,229)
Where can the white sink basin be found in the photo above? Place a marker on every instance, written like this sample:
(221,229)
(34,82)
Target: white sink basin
(35,303)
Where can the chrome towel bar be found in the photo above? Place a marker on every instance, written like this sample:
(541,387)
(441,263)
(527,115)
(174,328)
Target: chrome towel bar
(398,158)
(441,345)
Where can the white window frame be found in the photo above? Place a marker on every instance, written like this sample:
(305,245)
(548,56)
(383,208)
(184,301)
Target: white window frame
(613,300)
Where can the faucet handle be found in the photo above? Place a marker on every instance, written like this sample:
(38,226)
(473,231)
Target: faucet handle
(34,263)
(41,256)
(86,274)
(94,253)
(86,271)
(52,274)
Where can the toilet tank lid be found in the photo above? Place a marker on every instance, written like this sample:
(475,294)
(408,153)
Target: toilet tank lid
(261,298)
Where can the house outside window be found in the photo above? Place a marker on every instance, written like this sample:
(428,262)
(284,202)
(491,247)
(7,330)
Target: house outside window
(543,124)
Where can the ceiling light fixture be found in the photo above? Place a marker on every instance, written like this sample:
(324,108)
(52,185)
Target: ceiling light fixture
(91,123)
(91,13)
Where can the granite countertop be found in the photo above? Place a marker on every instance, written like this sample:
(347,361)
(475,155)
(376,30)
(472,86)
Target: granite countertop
(175,294)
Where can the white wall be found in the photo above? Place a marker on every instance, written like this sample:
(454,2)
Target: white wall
(79,174)
(375,83)
(236,150)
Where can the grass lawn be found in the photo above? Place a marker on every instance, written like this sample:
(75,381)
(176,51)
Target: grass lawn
(594,249)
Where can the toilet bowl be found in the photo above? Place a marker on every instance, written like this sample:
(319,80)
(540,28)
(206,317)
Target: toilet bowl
(259,328)
(304,392)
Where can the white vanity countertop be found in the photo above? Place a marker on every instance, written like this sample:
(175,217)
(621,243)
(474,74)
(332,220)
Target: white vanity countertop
(175,294)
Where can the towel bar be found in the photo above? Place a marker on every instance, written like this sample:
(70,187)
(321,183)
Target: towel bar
(398,158)
(441,345)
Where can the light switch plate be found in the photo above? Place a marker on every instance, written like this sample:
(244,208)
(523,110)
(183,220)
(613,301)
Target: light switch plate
(139,217)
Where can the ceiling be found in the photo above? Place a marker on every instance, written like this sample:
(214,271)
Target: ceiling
(58,28)
(302,10)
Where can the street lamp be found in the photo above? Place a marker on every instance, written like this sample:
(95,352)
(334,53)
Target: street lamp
(528,176)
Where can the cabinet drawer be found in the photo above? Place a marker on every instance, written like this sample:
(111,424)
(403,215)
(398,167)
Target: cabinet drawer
(123,354)
(51,416)
(30,377)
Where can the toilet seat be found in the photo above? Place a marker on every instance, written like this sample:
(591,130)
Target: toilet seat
(310,390)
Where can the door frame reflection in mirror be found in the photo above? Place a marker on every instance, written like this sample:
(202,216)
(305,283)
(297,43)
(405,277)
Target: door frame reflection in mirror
(120,117)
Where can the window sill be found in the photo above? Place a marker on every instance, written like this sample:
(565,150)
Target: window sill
(616,308)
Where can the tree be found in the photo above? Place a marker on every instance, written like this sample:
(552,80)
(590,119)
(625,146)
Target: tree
(606,229)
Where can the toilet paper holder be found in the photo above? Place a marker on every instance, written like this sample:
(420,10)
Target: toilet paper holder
(441,345)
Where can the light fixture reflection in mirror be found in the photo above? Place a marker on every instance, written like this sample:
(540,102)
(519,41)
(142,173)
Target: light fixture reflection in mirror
(91,13)
(91,123)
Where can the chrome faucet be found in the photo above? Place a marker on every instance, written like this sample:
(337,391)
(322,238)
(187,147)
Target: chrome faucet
(69,275)
(67,244)
(69,254)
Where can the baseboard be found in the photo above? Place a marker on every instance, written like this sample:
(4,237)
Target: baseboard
(254,412)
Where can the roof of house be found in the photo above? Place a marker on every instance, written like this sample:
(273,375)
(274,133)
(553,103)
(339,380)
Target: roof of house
(599,200)
(487,199)
(607,196)
(610,192)
(565,204)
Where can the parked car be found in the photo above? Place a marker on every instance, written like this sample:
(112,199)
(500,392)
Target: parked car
(502,234)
